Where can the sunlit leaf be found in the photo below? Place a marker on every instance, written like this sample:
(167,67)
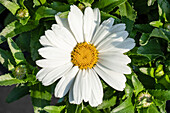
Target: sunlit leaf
(126,106)
(54,109)
(7,80)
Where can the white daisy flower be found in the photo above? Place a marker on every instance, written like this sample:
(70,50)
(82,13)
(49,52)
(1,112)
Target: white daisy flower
(78,50)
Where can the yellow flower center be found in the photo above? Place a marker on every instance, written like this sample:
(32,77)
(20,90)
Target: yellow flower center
(84,55)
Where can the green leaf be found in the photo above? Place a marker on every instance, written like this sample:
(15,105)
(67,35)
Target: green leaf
(108,5)
(71,1)
(161,105)
(129,89)
(17,93)
(23,41)
(9,19)
(125,107)
(2,8)
(147,71)
(152,109)
(34,42)
(5,57)
(105,16)
(151,2)
(59,6)
(7,80)
(165,81)
(11,6)
(156,24)
(160,94)
(127,11)
(89,109)
(40,96)
(144,39)
(160,33)
(73,108)
(44,12)
(143,28)
(16,52)
(138,87)
(164,7)
(38,2)
(159,71)
(128,15)
(14,29)
(54,109)
(150,50)
(137,59)
(107,103)
(87,2)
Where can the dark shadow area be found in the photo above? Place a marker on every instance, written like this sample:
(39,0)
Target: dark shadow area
(22,105)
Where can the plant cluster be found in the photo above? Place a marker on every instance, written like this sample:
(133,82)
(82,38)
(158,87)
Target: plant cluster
(147,21)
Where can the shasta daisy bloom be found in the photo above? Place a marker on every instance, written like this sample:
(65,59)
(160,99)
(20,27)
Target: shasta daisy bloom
(78,51)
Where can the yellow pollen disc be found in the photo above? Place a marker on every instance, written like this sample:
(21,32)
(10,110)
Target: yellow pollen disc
(84,55)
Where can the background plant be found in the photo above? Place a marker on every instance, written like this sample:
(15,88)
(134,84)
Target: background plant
(147,21)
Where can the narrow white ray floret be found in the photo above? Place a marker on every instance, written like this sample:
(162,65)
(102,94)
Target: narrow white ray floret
(78,51)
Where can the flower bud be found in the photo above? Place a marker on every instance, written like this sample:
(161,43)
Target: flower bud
(20,72)
(22,13)
(144,99)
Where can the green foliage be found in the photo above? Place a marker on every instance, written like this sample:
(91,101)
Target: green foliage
(16,52)
(107,103)
(108,5)
(44,12)
(147,21)
(34,42)
(126,106)
(7,80)
(138,87)
(14,29)
(11,6)
(150,50)
(160,94)
(54,109)
(5,57)
(40,96)
(128,15)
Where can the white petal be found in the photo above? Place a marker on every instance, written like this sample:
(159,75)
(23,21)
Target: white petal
(89,24)
(71,98)
(62,21)
(53,53)
(43,72)
(53,62)
(97,17)
(126,45)
(102,31)
(77,88)
(112,40)
(96,89)
(115,61)
(114,79)
(56,41)
(86,86)
(63,35)
(55,74)
(122,47)
(75,20)
(65,82)
(117,28)
(44,41)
